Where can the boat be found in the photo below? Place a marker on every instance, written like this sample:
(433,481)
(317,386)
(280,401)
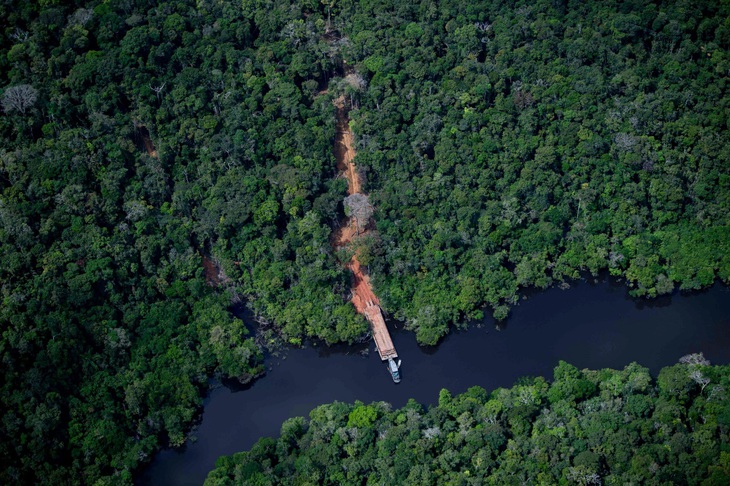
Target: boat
(394,369)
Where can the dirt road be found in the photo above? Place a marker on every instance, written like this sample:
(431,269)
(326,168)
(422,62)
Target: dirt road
(362,291)
(345,149)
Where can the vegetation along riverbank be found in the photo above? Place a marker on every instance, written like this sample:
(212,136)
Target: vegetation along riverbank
(582,428)
(502,145)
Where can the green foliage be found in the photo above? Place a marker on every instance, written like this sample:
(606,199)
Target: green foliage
(503,146)
(509,146)
(570,384)
(362,416)
(607,427)
(110,333)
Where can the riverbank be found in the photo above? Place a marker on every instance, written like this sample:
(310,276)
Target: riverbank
(592,325)
(583,426)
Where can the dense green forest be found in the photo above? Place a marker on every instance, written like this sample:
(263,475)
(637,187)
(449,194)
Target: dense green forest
(504,146)
(585,427)
(513,146)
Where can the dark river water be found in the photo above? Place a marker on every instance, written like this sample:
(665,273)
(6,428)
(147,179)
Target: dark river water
(591,325)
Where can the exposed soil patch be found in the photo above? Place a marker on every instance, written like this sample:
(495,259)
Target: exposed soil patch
(214,274)
(347,233)
(362,290)
(146,140)
(149,146)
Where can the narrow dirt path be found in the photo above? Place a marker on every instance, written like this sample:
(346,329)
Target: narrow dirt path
(362,290)
(344,148)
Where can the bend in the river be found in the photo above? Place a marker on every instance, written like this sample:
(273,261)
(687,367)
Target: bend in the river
(592,325)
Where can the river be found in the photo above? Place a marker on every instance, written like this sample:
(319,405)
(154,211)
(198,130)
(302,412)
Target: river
(592,325)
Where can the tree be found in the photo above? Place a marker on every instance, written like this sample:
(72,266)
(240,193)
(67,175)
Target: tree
(694,359)
(19,98)
(358,206)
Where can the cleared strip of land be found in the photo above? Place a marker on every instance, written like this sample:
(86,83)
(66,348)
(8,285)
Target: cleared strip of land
(363,297)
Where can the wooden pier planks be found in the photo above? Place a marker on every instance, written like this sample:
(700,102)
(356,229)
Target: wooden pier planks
(385,346)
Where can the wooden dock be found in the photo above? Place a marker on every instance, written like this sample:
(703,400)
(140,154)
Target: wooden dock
(385,346)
